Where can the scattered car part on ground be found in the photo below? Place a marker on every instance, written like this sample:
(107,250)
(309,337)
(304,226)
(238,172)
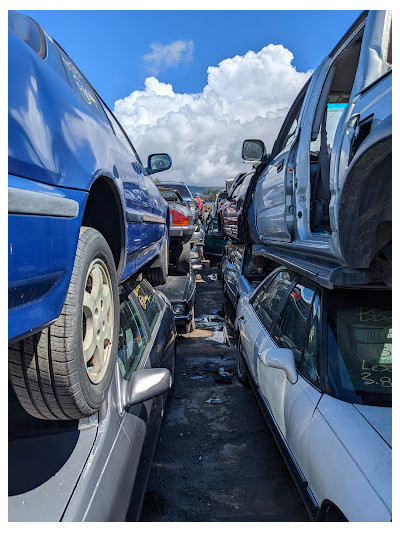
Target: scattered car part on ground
(66,470)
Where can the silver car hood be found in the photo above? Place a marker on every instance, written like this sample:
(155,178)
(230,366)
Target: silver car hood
(380,419)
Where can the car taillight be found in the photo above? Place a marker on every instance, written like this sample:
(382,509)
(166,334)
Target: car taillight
(178,218)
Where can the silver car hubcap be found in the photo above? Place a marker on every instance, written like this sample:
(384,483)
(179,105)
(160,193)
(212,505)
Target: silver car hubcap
(97,320)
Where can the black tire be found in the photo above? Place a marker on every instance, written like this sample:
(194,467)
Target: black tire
(181,257)
(330,513)
(158,275)
(241,370)
(48,370)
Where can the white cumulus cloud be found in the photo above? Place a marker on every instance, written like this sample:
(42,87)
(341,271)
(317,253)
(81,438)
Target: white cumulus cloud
(168,55)
(245,97)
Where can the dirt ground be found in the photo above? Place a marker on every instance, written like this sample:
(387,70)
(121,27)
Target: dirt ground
(216,461)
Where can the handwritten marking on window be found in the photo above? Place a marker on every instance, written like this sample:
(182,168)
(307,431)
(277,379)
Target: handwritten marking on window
(373,315)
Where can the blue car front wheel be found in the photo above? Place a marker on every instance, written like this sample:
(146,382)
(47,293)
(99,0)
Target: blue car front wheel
(64,372)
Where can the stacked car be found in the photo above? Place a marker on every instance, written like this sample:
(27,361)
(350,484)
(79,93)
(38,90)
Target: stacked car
(91,343)
(231,212)
(102,267)
(314,338)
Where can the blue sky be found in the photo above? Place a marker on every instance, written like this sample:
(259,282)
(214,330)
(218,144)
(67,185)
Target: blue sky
(109,46)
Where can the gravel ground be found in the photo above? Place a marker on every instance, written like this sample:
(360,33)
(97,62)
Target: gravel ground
(216,462)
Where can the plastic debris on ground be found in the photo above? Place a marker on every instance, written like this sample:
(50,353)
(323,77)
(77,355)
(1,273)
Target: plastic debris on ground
(218,336)
(223,377)
(217,400)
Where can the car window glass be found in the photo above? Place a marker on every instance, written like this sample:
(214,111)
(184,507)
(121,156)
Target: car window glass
(291,327)
(120,133)
(389,47)
(81,86)
(290,133)
(360,345)
(245,185)
(289,129)
(180,187)
(308,366)
(28,30)
(269,297)
(132,338)
(145,297)
(236,191)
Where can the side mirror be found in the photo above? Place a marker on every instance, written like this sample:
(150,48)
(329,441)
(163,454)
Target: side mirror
(146,384)
(281,358)
(158,163)
(253,150)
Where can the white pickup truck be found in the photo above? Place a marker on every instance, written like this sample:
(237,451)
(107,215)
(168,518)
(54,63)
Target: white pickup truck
(325,192)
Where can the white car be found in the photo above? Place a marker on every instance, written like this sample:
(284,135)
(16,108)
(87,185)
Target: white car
(320,364)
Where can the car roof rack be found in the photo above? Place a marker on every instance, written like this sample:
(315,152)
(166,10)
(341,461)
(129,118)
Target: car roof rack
(324,272)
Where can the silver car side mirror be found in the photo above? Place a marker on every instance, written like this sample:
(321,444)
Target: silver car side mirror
(281,358)
(253,150)
(146,384)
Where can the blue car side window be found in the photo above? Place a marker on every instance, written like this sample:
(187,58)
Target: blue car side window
(28,30)
(122,136)
(81,86)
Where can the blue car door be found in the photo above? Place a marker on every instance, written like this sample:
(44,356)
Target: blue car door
(153,212)
(128,169)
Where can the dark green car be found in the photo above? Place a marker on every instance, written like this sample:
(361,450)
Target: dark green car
(214,241)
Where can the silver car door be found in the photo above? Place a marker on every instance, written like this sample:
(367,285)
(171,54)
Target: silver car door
(273,198)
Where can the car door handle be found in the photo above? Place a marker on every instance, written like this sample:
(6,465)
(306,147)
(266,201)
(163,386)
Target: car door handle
(280,165)
(242,319)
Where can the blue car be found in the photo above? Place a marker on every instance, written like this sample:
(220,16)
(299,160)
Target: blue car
(84,216)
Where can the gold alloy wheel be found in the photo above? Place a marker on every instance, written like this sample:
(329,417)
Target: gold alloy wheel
(97,320)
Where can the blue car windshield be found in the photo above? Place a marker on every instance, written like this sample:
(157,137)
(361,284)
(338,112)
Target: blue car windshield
(360,346)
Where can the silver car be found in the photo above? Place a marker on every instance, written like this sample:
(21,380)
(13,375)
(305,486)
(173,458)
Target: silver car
(320,364)
(326,189)
(96,469)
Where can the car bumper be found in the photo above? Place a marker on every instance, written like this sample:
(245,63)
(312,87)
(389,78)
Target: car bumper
(182,320)
(180,231)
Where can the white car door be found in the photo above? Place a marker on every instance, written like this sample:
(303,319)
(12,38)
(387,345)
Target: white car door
(293,405)
(258,316)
